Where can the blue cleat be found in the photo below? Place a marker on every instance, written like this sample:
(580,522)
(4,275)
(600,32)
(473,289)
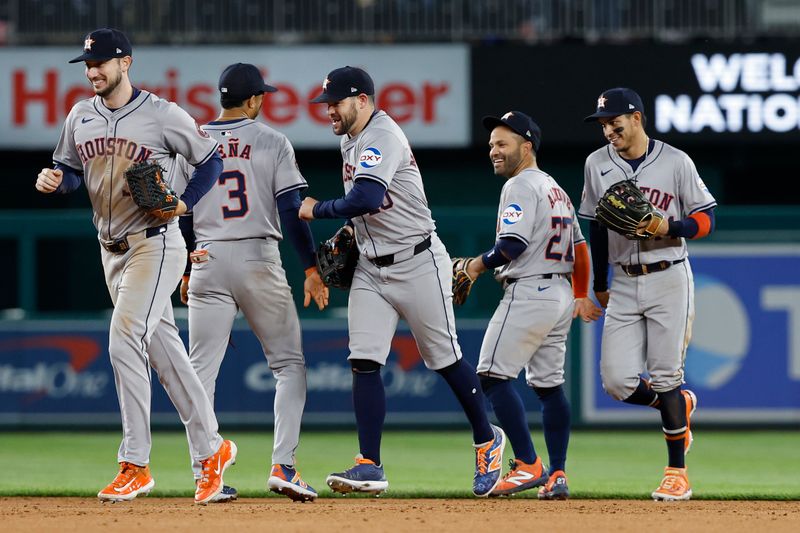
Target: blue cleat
(365,476)
(227,494)
(488,464)
(556,487)
(286,480)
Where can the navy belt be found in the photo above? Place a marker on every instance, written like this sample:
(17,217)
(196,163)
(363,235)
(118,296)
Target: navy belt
(123,244)
(386,260)
(551,275)
(639,270)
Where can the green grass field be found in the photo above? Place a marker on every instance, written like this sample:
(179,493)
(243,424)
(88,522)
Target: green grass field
(608,464)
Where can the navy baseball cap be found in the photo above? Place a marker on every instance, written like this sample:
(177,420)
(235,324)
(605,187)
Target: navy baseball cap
(243,80)
(519,123)
(103,44)
(615,102)
(343,83)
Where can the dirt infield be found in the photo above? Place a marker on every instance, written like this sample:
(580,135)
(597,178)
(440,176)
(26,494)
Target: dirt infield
(387,515)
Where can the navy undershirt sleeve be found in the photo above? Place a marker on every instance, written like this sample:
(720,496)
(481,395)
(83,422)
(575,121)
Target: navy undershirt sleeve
(687,227)
(505,250)
(70,180)
(598,238)
(297,231)
(365,196)
(203,178)
(186,224)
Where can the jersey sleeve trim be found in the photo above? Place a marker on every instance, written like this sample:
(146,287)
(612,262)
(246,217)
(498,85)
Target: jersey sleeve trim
(208,155)
(296,186)
(517,236)
(704,207)
(584,215)
(371,177)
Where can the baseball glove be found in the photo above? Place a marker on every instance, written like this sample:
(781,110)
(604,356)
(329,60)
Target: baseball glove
(462,283)
(149,191)
(625,210)
(337,258)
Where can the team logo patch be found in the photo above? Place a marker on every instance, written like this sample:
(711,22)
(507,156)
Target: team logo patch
(369,158)
(512,214)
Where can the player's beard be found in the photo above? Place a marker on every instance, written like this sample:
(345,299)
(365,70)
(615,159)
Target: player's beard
(111,85)
(346,120)
(511,162)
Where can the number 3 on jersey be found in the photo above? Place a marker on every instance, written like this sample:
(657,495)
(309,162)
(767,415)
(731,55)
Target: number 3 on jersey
(559,250)
(237,193)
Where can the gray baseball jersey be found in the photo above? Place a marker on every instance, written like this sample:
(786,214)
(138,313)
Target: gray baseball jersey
(104,143)
(667,177)
(381,152)
(260,165)
(535,210)
(530,325)
(237,223)
(140,280)
(649,318)
(416,286)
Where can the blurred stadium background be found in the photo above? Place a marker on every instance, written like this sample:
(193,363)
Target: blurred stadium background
(719,78)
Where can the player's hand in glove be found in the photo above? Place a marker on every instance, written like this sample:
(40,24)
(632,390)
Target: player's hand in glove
(150,191)
(337,258)
(586,309)
(314,288)
(462,280)
(625,210)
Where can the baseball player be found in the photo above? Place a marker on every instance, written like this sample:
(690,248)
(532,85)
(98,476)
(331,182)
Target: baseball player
(403,272)
(236,265)
(539,244)
(650,307)
(143,255)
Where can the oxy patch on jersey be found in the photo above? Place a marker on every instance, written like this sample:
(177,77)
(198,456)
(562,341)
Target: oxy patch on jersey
(512,214)
(370,158)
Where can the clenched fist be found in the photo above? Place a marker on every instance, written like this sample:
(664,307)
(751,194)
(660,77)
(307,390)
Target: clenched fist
(48,180)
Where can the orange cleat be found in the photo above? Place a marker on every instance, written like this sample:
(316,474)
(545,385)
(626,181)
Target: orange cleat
(674,486)
(131,481)
(522,476)
(691,405)
(210,483)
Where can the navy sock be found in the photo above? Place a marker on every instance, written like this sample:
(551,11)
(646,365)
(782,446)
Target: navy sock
(464,382)
(556,424)
(643,395)
(369,404)
(510,411)
(673,421)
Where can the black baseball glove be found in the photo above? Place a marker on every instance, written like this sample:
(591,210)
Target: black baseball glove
(149,191)
(625,210)
(337,258)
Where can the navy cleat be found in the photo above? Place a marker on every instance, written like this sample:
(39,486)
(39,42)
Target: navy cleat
(365,476)
(286,480)
(556,487)
(488,464)
(227,494)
